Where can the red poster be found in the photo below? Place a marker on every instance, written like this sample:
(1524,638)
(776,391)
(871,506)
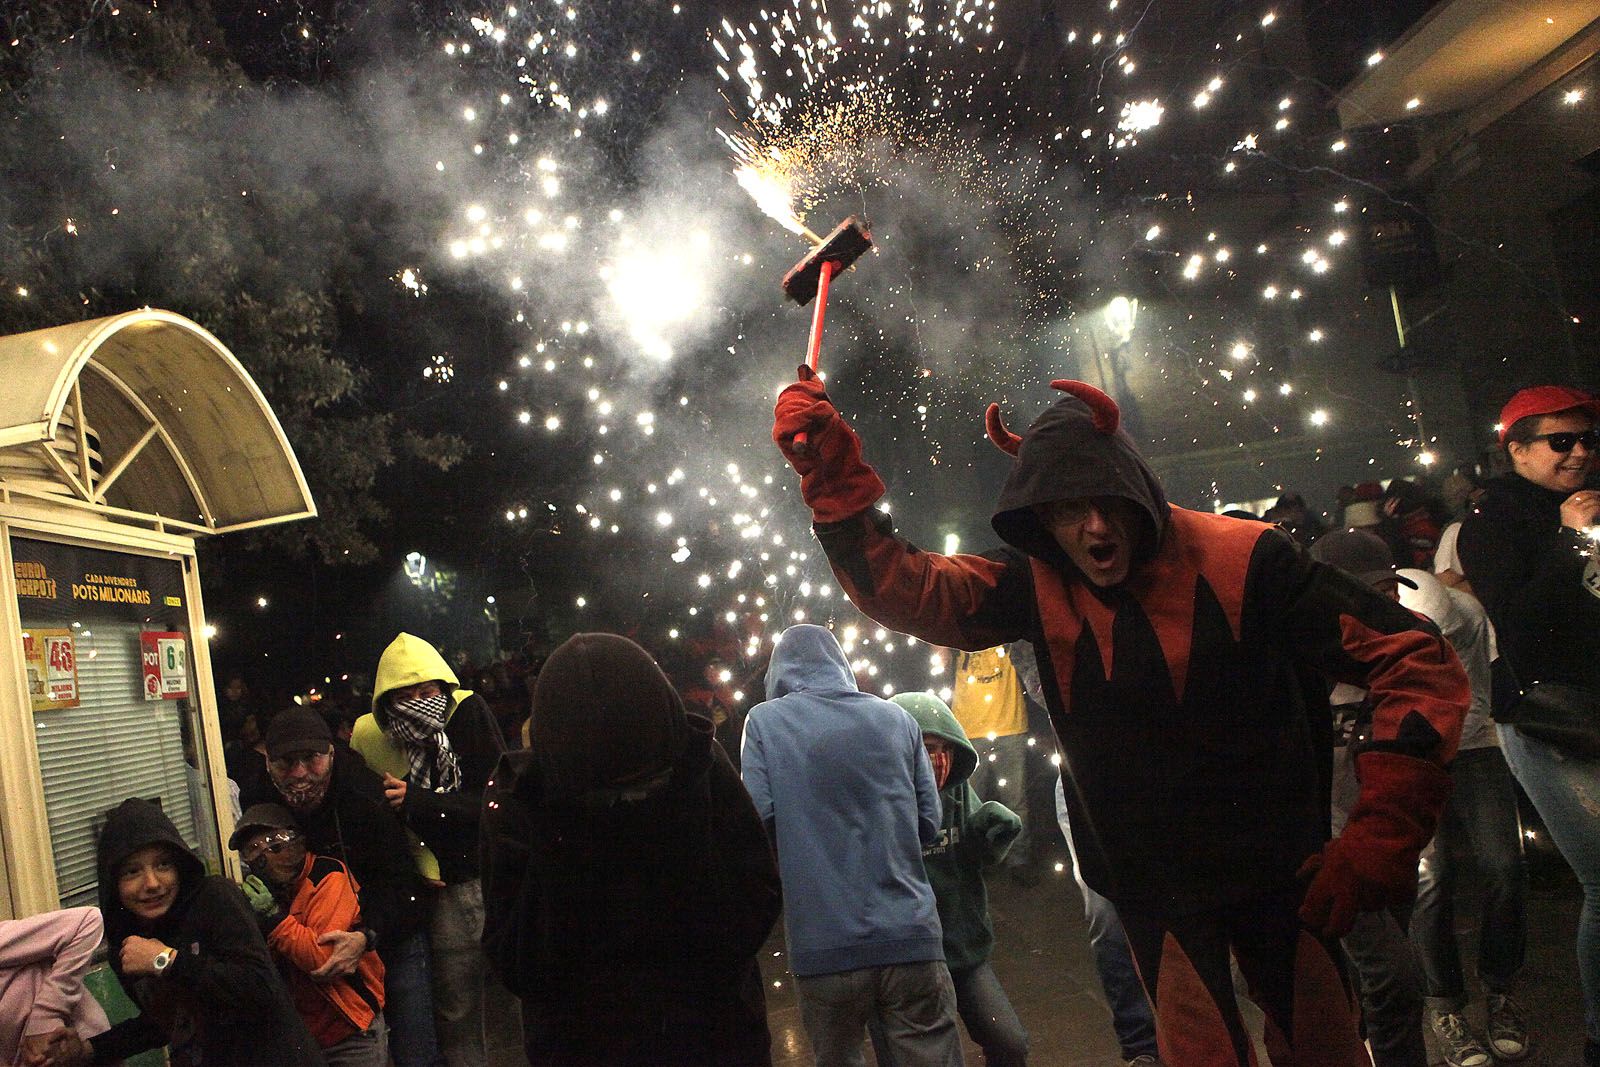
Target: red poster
(165,661)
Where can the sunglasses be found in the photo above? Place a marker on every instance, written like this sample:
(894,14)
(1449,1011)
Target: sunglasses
(1565,440)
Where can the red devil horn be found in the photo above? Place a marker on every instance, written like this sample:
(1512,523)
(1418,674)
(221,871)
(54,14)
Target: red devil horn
(1003,439)
(1102,409)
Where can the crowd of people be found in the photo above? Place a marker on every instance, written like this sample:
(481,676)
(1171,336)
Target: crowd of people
(1281,744)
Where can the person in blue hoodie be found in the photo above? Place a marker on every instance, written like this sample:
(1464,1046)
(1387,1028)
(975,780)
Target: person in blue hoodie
(845,788)
(976,834)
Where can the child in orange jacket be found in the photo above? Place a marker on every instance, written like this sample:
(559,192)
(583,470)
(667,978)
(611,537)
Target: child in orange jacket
(300,896)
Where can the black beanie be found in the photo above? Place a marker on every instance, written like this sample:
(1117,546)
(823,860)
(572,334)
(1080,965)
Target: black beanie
(604,717)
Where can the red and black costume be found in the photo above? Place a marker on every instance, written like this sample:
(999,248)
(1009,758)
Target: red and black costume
(1189,703)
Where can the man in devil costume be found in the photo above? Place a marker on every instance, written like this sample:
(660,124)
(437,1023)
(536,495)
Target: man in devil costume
(1184,659)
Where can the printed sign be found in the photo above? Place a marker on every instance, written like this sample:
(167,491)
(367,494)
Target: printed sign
(67,582)
(52,663)
(165,661)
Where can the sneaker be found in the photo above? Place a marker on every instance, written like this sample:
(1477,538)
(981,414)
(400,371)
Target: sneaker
(1508,1030)
(1460,1048)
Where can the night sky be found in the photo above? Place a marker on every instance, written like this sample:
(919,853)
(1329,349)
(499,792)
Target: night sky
(555,261)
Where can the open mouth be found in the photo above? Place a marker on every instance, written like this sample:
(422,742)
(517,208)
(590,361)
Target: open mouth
(1102,554)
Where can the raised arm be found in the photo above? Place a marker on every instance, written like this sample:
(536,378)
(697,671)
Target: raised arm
(965,601)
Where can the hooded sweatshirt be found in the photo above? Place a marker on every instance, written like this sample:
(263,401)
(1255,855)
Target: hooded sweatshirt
(446,824)
(628,882)
(221,1001)
(843,783)
(42,962)
(975,835)
(1186,700)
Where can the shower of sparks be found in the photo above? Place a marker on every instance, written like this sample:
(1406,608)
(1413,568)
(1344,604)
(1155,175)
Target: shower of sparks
(1140,115)
(840,108)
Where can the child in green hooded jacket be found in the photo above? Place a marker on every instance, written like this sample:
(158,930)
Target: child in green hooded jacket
(975,835)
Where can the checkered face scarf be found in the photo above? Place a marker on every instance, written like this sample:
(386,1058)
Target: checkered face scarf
(419,726)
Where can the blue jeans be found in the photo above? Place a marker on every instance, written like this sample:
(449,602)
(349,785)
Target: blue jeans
(1565,790)
(986,1011)
(408,1007)
(1131,1015)
(1479,827)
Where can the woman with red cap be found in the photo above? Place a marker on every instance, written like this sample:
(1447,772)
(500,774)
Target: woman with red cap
(1528,549)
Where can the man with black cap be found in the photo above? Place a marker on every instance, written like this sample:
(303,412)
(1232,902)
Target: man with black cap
(1181,655)
(339,804)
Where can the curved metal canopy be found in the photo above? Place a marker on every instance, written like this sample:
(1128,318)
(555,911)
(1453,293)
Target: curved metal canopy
(144,417)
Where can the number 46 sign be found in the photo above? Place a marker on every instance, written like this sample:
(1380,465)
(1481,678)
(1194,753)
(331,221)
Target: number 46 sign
(165,660)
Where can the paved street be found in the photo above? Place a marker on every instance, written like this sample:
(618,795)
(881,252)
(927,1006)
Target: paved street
(1043,960)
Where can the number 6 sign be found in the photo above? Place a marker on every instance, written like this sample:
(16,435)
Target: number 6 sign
(164,659)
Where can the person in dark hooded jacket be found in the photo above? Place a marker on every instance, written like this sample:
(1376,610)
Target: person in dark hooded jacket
(1179,652)
(628,882)
(187,949)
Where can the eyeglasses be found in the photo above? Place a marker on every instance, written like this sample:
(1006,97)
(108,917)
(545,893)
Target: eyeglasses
(1064,512)
(1564,441)
(271,846)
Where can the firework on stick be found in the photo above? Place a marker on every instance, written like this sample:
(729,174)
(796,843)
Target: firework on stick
(812,275)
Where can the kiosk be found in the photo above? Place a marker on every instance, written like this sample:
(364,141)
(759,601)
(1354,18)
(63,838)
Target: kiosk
(122,441)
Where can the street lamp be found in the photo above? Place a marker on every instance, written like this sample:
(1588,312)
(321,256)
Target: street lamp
(1120,315)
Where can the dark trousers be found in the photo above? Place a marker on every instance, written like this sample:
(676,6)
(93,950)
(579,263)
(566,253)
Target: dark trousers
(986,1012)
(1481,828)
(1390,981)
(1384,961)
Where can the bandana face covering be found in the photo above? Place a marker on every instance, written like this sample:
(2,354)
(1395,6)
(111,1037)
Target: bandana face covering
(424,712)
(304,794)
(419,726)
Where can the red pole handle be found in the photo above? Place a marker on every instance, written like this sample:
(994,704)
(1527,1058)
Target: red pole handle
(814,346)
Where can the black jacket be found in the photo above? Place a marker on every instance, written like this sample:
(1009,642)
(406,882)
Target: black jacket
(356,825)
(1530,572)
(630,931)
(221,1001)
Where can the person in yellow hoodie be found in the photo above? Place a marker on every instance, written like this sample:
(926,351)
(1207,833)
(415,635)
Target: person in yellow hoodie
(436,744)
(988,703)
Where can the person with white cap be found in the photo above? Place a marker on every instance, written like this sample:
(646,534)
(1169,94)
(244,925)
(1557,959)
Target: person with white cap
(1480,828)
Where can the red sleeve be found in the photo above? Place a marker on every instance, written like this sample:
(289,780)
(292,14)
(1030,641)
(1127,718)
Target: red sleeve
(1343,628)
(963,601)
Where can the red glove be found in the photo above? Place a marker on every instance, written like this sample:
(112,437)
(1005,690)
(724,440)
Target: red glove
(835,481)
(1373,864)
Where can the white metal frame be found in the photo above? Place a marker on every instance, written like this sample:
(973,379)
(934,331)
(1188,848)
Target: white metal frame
(27,875)
(89,494)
